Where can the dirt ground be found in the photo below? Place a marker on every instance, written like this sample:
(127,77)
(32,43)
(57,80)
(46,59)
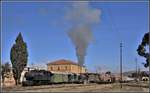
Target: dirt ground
(78,88)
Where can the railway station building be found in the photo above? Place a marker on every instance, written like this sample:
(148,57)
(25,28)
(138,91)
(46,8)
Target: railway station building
(65,66)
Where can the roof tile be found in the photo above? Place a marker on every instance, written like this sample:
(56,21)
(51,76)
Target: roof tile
(62,62)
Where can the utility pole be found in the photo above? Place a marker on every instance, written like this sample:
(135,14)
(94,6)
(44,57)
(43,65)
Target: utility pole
(121,65)
(136,68)
(139,72)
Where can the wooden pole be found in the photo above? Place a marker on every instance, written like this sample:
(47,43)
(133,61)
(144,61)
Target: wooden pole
(121,65)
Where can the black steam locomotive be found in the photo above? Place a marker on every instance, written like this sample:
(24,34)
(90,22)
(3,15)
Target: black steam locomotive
(42,77)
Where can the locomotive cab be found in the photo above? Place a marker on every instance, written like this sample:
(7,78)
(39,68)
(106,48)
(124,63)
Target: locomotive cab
(37,77)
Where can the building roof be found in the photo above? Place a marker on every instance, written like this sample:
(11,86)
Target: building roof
(62,62)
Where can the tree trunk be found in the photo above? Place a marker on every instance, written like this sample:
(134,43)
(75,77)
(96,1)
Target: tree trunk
(19,81)
(16,81)
(3,81)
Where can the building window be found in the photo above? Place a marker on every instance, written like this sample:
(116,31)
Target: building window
(51,68)
(66,67)
(58,68)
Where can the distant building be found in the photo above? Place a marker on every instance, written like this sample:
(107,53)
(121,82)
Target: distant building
(65,66)
(9,80)
(105,77)
(117,77)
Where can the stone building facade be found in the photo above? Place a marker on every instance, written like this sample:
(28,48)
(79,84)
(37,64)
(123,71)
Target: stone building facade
(66,66)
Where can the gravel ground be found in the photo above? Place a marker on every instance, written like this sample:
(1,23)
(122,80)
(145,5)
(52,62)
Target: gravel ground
(78,88)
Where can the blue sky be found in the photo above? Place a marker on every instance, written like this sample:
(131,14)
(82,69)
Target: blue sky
(44,30)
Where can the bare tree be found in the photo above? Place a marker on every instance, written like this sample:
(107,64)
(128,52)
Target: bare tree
(5,70)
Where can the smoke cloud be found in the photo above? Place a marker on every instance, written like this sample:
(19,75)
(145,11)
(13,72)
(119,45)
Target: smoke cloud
(82,17)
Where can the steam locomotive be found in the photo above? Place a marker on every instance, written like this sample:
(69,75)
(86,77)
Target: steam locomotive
(43,77)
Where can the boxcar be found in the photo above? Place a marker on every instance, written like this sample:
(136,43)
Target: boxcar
(93,77)
(59,78)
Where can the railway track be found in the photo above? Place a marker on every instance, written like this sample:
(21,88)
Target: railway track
(137,85)
(55,86)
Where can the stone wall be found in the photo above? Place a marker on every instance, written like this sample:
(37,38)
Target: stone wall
(9,80)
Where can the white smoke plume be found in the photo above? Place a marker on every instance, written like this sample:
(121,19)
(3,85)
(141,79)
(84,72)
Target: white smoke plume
(82,17)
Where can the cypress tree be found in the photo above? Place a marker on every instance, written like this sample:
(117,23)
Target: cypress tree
(18,57)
